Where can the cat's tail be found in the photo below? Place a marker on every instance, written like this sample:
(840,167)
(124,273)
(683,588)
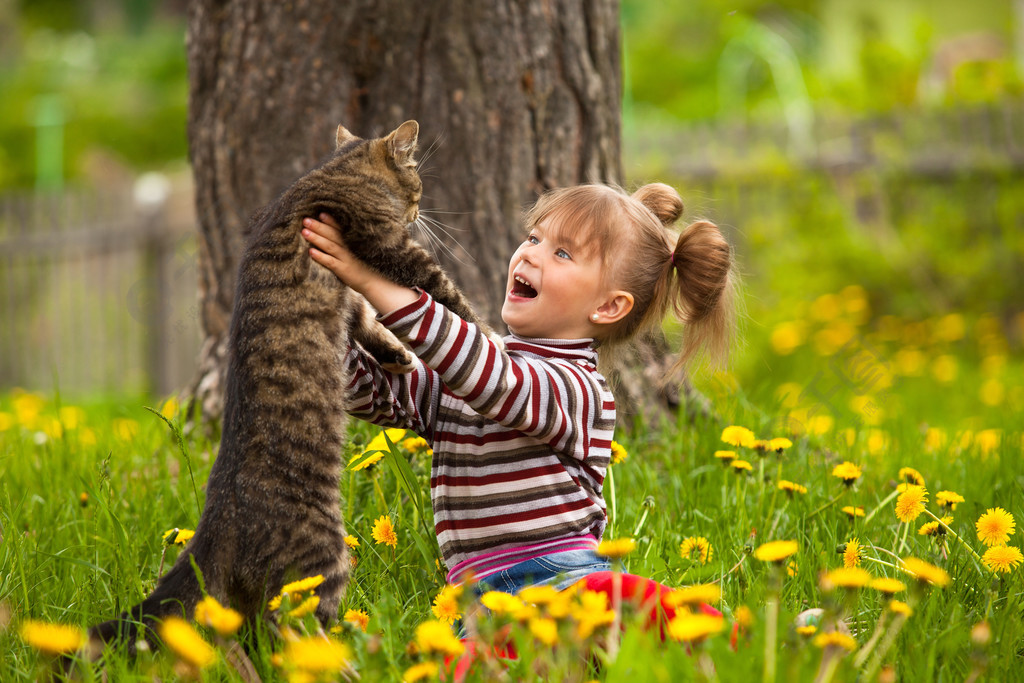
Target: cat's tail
(176,594)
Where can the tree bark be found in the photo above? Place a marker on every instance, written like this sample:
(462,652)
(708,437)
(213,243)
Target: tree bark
(513,97)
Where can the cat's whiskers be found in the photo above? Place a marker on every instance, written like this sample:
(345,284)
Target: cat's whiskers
(425,224)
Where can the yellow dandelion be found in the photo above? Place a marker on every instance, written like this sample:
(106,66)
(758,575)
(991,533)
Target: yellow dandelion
(538,595)
(910,504)
(898,607)
(380,441)
(911,476)
(365,460)
(688,627)
(775,551)
(616,549)
(696,548)
(851,553)
(358,618)
(188,645)
(446,604)
(845,577)
(779,444)
(417,444)
(437,637)
(303,585)
(545,630)
(178,536)
(935,528)
(806,631)
(212,614)
(847,471)
(744,616)
(591,612)
(725,457)
(125,429)
(791,488)
(306,607)
(53,639)
(925,572)
(424,671)
(619,453)
(886,585)
(351,541)
(792,568)
(835,639)
(738,436)
(741,466)
(707,593)
(384,531)
(995,527)
(1002,558)
(316,654)
(501,603)
(854,511)
(948,499)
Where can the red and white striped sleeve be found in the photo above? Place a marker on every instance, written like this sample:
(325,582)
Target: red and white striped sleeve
(388,399)
(555,399)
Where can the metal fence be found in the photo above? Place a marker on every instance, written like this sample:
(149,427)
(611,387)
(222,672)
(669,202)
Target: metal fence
(97,292)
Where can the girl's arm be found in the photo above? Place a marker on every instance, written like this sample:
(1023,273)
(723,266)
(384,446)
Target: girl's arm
(564,403)
(386,399)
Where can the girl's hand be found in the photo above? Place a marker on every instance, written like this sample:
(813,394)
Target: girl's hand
(329,250)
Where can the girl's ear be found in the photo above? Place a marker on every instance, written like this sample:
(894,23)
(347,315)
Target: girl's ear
(616,307)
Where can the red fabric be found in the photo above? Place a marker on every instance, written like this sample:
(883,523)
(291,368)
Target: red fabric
(642,592)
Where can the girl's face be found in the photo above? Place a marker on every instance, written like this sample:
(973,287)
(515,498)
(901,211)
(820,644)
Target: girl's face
(553,289)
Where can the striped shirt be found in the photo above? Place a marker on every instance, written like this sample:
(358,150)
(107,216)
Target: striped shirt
(521,435)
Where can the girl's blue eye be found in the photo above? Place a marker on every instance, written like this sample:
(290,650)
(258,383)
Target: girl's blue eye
(532,239)
(562,253)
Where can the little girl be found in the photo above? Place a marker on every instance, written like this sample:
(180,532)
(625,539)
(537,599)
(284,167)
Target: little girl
(522,434)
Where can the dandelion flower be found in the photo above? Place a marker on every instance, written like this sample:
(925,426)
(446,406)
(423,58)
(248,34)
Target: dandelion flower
(619,453)
(437,637)
(740,466)
(995,527)
(835,639)
(725,457)
(358,618)
(501,603)
(738,436)
(365,460)
(910,504)
(188,645)
(690,627)
(212,614)
(925,572)
(935,528)
(316,654)
(851,553)
(707,593)
(1002,558)
(616,549)
(779,444)
(446,604)
(53,639)
(792,568)
(696,548)
(911,476)
(384,531)
(416,444)
(898,607)
(743,616)
(948,499)
(303,585)
(424,671)
(545,630)
(845,577)
(791,488)
(775,551)
(306,607)
(806,631)
(351,541)
(854,511)
(847,471)
(886,585)
(178,536)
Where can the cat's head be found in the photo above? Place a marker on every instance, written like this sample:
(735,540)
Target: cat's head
(388,161)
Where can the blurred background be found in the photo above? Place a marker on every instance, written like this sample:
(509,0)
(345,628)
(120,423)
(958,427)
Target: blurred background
(864,156)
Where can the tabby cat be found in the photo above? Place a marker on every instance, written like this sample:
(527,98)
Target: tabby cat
(272,510)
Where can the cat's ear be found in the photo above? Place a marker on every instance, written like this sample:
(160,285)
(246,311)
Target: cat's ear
(342,137)
(402,142)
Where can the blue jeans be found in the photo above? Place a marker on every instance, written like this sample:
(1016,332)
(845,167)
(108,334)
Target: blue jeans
(560,570)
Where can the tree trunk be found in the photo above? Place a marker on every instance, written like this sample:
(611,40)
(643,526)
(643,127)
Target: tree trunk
(513,97)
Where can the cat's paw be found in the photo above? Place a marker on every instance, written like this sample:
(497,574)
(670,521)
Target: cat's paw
(400,364)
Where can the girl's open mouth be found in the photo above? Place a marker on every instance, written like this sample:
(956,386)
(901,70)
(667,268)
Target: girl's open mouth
(522,288)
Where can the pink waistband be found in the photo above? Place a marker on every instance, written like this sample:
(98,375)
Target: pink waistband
(485,564)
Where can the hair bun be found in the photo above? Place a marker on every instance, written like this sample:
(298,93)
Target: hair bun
(662,200)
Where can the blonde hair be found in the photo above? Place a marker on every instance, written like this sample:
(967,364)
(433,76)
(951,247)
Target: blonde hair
(690,272)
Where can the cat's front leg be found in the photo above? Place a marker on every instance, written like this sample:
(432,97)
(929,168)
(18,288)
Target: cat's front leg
(376,339)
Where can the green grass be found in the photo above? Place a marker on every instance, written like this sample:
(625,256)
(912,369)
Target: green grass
(83,510)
